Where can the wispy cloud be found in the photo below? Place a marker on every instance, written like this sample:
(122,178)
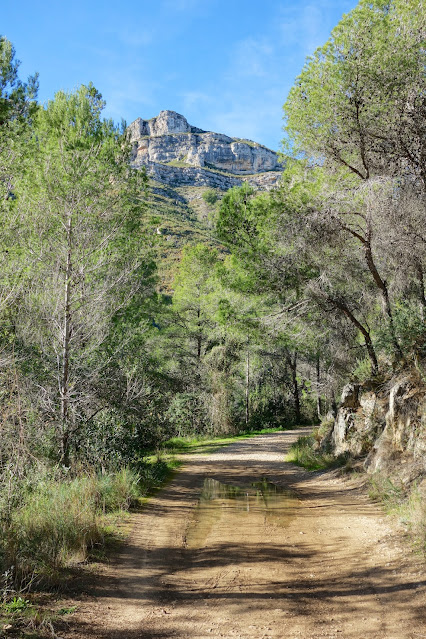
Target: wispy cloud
(194,100)
(184,5)
(252,57)
(136,37)
(307,27)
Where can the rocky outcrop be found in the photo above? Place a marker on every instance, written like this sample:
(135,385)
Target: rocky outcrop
(387,425)
(168,146)
(359,420)
(167,122)
(194,176)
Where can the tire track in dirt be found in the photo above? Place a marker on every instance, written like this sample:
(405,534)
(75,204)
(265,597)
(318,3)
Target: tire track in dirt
(326,564)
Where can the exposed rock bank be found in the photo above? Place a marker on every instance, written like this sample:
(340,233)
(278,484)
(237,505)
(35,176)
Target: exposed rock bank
(387,424)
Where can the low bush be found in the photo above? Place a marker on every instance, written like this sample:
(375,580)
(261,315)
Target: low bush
(210,196)
(118,491)
(304,452)
(413,513)
(59,520)
(56,522)
(406,504)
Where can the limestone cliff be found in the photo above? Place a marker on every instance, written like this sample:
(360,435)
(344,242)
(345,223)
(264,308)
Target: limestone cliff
(176,153)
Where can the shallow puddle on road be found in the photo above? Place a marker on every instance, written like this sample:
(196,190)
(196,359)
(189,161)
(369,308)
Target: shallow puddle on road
(260,502)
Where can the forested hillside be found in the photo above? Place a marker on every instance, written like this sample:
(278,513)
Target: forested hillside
(268,304)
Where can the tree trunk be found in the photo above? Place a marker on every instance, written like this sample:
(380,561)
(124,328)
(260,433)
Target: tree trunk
(247,384)
(66,348)
(420,275)
(365,333)
(199,337)
(292,361)
(382,285)
(319,402)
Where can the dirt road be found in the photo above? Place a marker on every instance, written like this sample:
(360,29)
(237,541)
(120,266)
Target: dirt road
(243,545)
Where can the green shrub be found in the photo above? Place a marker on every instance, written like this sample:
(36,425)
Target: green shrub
(362,371)
(383,488)
(210,197)
(413,513)
(118,491)
(410,331)
(304,453)
(56,522)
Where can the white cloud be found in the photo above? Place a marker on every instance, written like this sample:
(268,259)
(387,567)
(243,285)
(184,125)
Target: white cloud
(184,5)
(195,100)
(136,37)
(252,57)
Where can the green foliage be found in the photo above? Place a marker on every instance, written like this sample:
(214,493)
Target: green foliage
(210,196)
(58,521)
(16,605)
(305,453)
(186,413)
(17,98)
(356,100)
(118,491)
(362,370)
(80,209)
(55,522)
(383,488)
(410,329)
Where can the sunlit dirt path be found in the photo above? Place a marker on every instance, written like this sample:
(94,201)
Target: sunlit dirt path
(270,551)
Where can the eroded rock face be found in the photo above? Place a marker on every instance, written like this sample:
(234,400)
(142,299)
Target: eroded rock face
(359,420)
(387,425)
(169,138)
(402,444)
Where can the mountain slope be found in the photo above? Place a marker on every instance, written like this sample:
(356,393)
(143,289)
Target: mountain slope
(183,162)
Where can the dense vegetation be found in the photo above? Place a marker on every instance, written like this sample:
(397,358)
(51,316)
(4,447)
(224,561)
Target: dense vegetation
(315,282)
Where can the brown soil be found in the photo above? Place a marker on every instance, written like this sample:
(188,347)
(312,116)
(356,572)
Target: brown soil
(320,562)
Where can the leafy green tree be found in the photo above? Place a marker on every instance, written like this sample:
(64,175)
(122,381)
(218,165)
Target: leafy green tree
(17,107)
(358,110)
(359,101)
(194,286)
(81,219)
(17,98)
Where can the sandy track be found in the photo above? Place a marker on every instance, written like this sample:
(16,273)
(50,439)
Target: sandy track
(325,564)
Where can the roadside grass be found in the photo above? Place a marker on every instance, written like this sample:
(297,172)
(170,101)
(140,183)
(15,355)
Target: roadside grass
(55,528)
(58,522)
(304,453)
(407,505)
(26,620)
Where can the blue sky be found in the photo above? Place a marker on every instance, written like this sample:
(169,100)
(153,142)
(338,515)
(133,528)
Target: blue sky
(227,65)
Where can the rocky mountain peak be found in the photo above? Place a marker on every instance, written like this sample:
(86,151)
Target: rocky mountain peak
(166,123)
(168,140)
